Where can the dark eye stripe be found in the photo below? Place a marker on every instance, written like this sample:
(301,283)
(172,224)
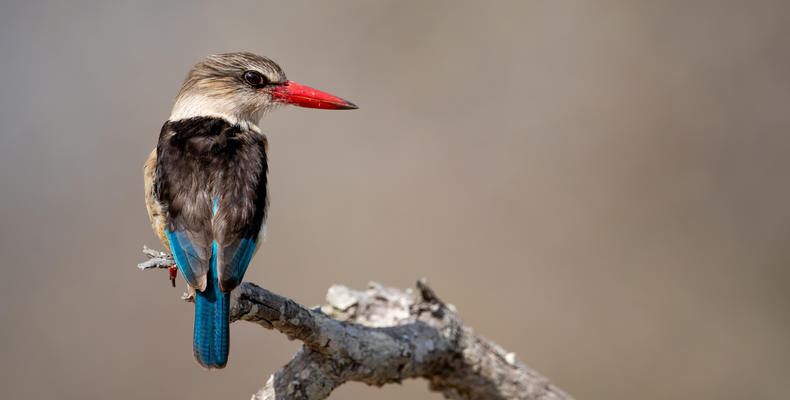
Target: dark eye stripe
(255,79)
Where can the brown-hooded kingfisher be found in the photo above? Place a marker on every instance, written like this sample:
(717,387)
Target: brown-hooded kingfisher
(205,183)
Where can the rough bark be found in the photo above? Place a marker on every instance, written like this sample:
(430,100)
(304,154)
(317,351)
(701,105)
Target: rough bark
(381,335)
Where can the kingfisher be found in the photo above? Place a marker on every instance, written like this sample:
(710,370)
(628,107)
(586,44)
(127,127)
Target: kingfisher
(205,182)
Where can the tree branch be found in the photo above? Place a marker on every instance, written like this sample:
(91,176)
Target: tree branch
(378,336)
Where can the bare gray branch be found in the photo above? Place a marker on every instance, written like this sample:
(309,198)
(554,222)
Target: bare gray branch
(382,335)
(156,259)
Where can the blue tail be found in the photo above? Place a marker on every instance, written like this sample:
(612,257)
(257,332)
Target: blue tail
(211,321)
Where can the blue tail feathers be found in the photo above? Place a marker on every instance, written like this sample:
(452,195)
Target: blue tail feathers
(212,321)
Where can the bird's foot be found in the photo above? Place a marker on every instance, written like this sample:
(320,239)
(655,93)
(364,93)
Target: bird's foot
(173,270)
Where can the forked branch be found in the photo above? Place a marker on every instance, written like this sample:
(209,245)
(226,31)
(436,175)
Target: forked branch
(377,336)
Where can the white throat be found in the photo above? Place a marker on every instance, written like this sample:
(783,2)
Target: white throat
(191,106)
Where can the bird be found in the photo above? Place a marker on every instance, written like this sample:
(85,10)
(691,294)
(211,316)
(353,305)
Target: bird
(206,181)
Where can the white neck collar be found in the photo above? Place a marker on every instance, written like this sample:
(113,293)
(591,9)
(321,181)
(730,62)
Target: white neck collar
(201,106)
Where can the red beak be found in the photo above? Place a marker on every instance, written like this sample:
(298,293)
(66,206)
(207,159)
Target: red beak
(305,96)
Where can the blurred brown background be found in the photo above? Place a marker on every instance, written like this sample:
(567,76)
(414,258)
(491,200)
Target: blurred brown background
(600,187)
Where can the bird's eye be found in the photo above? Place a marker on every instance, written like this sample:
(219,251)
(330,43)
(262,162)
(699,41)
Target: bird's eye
(255,79)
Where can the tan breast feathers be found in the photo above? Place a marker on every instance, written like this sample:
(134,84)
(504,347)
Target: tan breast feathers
(155,212)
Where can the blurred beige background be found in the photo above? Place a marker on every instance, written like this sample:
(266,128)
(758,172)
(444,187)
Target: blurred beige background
(601,187)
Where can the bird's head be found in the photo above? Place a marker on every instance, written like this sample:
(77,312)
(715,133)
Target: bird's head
(241,87)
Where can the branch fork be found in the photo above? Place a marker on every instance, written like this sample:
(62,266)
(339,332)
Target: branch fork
(378,336)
